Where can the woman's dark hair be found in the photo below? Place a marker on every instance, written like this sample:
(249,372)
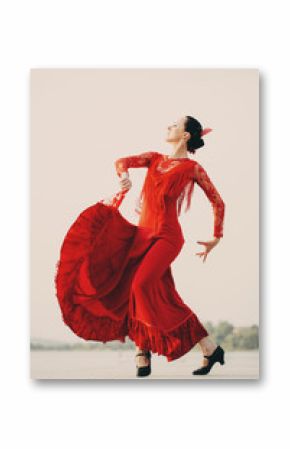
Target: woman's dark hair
(194,128)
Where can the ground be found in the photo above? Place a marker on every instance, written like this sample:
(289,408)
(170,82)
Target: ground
(108,364)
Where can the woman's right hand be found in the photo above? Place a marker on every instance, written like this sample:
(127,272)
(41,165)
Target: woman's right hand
(125,182)
(209,245)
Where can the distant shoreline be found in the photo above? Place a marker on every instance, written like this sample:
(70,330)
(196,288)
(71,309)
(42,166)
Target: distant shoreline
(224,333)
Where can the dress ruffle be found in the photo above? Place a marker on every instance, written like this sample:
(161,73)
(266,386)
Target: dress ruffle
(98,259)
(172,344)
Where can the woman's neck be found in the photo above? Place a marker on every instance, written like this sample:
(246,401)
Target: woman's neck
(179,152)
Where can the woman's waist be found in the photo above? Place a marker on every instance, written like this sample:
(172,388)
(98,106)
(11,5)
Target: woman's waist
(172,227)
(162,224)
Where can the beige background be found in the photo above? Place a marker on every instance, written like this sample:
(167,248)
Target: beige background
(82,120)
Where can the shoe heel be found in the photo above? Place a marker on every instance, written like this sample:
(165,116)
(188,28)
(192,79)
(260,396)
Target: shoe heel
(144,370)
(222,360)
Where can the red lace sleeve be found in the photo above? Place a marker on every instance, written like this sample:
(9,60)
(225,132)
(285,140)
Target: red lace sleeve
(204,181)
(134,161)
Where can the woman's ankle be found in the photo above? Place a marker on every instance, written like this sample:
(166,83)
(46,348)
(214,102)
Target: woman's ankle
(209,351)
(207,345)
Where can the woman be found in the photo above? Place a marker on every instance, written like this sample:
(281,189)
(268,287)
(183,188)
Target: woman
(114,278)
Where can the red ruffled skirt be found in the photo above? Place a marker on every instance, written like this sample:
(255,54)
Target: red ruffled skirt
(113,279)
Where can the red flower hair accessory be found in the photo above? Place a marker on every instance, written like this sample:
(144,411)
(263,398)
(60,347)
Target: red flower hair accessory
(205,131)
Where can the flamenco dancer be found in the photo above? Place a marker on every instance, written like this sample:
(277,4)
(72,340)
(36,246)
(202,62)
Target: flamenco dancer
(114,278)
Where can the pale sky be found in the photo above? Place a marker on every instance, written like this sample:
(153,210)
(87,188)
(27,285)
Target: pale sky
(82,120)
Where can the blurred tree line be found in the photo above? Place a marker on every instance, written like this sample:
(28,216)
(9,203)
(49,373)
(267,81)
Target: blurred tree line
(231,338)
(224,333)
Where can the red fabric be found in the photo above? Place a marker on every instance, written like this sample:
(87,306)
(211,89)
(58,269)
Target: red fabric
(114,279)
(172,178)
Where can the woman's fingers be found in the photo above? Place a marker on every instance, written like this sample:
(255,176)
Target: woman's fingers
(125,184)
(204,254)
(208,247)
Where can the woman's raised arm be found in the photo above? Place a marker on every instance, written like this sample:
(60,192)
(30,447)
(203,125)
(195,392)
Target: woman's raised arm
(134,161)
(204,181)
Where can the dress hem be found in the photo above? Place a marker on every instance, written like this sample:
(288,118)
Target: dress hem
(172,344)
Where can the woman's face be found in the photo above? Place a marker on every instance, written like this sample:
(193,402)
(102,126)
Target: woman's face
(176,131)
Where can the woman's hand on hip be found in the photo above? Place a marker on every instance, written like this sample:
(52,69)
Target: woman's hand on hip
(208,247)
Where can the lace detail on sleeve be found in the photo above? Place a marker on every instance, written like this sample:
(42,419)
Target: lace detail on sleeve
(134,161)
(204,181)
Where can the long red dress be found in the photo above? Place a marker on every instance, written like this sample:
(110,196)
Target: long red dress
(114,278)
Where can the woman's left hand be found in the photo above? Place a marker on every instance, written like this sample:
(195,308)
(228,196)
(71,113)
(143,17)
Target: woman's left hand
(208,247)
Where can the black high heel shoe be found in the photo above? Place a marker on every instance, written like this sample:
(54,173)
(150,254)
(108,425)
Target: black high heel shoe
(144,370)
(216,356)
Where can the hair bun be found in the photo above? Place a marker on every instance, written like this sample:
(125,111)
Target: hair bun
(194,144)
(196,132)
